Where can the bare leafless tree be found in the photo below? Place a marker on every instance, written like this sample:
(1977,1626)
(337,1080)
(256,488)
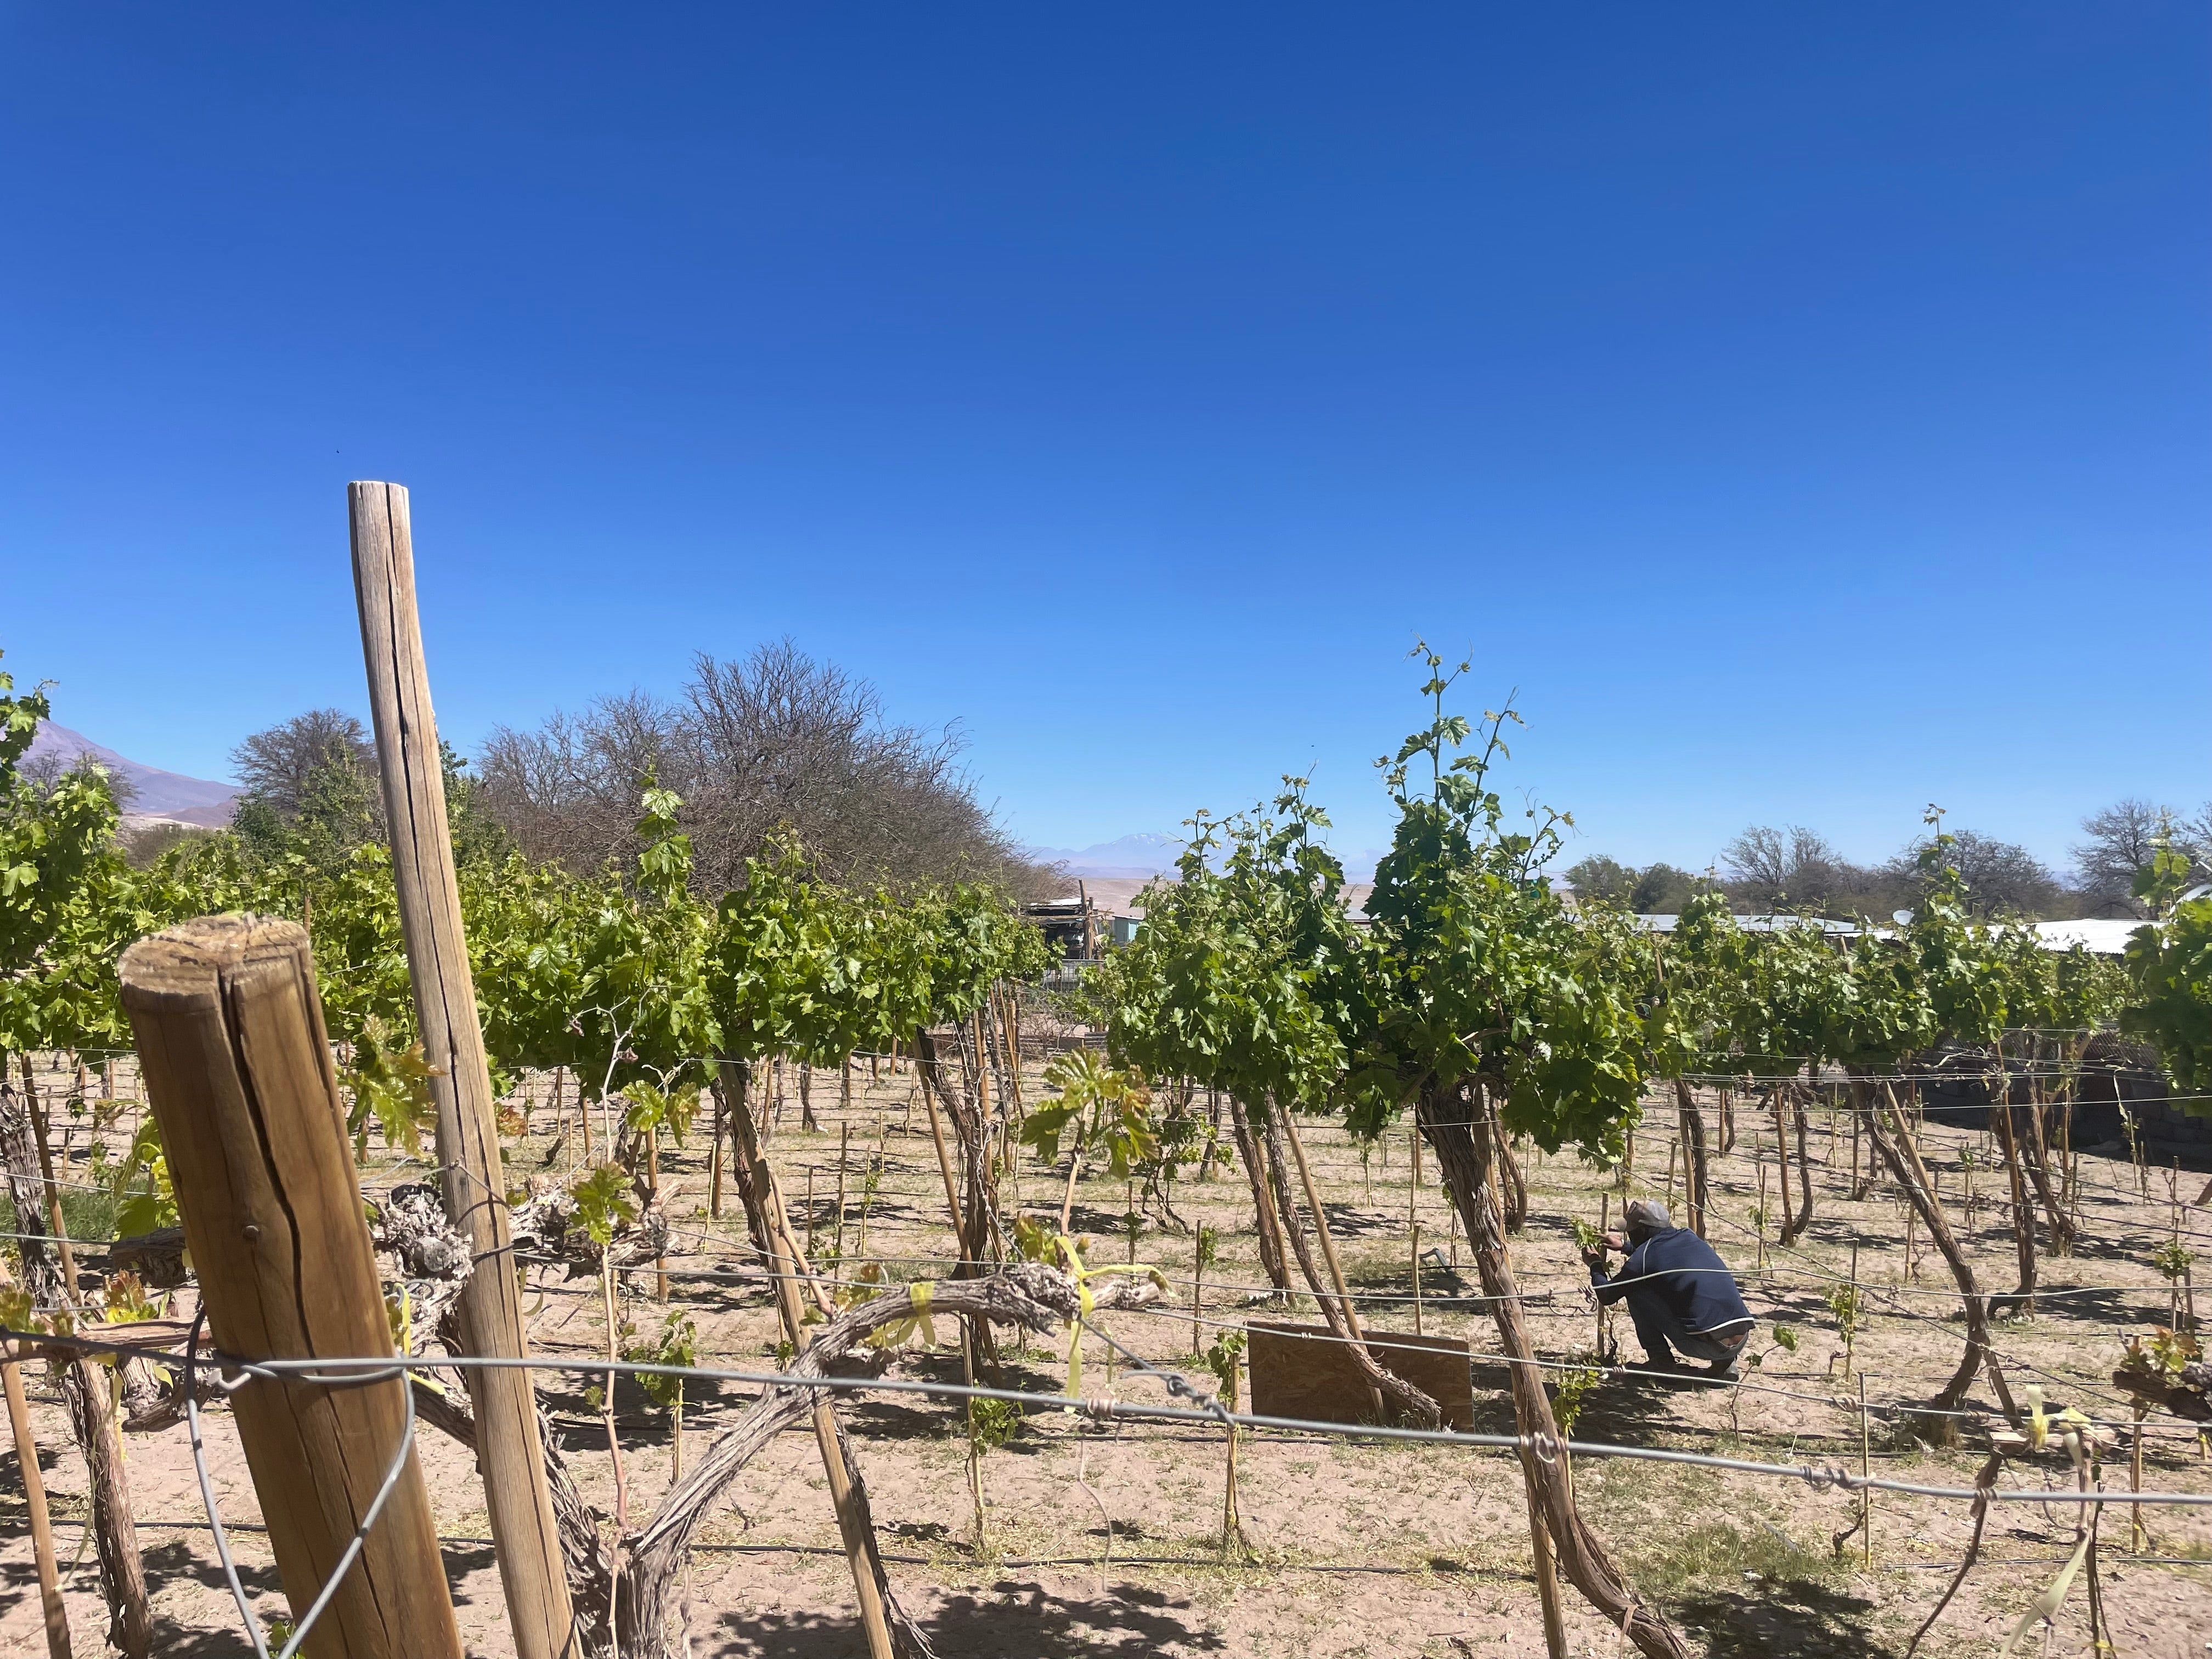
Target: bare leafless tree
(2119,841)
(2001,878)
(279,766)
(1774,869)
(776,740)
(43,770)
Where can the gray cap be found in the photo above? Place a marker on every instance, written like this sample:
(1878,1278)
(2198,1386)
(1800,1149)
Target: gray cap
(1646,1215)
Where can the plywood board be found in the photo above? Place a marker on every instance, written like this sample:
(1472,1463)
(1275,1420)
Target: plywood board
(1303,1370)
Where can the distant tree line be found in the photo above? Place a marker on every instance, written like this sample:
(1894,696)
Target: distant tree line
(774,743)
(1795,868)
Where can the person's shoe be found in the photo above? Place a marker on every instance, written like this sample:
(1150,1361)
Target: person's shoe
(1669,1367)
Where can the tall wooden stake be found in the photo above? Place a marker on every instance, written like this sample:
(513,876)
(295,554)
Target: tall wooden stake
(237,1070)
(714,1163)
(945,1167)
(844,1158)
(1320,1228)
(1866,1492)
(1547,1573)
(764,1208)
(2138,1536)
(653,1181)
(42,1530)
(523,1530)
(1416,1278)
(53,1192)
(86,1390)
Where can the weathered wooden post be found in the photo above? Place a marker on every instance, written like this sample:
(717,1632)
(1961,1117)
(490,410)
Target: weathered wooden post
(237,1070)
(42,1531)
(508,1451)
(85,1393)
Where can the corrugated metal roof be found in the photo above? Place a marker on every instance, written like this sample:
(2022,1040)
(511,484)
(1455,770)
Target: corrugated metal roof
(1760,924)
(2103,935)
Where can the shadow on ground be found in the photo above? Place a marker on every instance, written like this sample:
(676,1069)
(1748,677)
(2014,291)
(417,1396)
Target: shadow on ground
(176,1562)
(1800,1616)
(1016,1620)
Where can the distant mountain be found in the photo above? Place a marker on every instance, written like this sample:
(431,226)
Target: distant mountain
(1131,858)
(153,794)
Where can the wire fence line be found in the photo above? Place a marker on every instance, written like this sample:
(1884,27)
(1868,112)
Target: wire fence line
(1454,1301)
(2010,1361)
(345,1371)
(762,1274)
(1756,1278)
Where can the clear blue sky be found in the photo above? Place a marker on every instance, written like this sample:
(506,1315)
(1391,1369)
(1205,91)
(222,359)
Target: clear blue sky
(1806,408)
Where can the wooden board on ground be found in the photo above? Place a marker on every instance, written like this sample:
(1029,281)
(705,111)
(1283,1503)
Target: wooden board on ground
(1303,1370)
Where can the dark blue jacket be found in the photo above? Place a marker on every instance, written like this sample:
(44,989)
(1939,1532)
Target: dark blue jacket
(1687,1275)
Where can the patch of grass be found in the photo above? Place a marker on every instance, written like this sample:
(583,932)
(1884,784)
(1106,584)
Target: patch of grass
(1750,1592)
(2194,1549)
(1674,1561)
(86,1215)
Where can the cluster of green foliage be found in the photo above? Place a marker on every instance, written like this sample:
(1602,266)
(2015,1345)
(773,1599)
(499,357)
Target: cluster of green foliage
(624,976)
(1105,1111)
(2163,1357)
(2170,969)
(68,904)
(1251,975)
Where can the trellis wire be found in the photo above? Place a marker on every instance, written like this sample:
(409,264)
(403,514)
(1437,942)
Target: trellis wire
(353,1548)
(1100,1408)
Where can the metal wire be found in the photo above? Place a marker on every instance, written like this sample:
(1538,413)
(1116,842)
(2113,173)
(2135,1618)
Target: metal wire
(385,1371)
(376,1367)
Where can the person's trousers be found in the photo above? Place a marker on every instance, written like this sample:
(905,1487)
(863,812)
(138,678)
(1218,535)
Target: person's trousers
(1661,1330)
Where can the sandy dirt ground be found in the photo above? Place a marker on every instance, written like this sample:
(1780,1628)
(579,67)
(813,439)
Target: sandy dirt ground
(1106,1540)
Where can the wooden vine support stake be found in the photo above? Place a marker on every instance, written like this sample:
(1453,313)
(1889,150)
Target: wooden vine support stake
(765,1210)
(2138,1536)
(87,1392)
(1781,1103)
(1759,1214)
(1696,1167)
(1328,1244)
(53,1192)
(1604,1226)
(2185,1310)
(525,1533)
(844,1158)
(715,1164)
(1231,1528)
(653,1183)
(42,1530)
(1545,1563)
(238,1069)
(1198,1241)
(1866,1492)
(1413,1229)
(1464,1145)
(951,1187)
(1417,1280)
(1857,1188)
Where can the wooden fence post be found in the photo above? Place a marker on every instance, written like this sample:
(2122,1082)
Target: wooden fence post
(524,1529)
(237,1070)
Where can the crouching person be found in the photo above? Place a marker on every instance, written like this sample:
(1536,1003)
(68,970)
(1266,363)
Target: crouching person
(1681,1294)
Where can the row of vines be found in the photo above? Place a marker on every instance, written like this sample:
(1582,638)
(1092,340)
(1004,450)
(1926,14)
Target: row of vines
(1469,997)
